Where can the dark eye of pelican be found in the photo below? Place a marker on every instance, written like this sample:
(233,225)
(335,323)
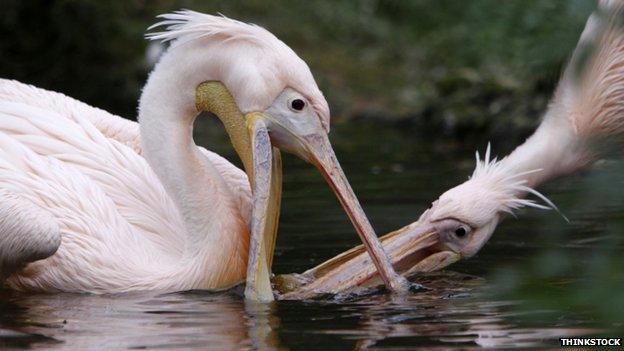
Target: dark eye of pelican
(297,104)
(460,232)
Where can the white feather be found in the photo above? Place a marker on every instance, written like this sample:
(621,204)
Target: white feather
(186,26)
(84,175)
(84,168)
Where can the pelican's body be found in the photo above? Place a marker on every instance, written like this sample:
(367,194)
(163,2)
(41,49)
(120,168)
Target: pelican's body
(90,202)
(78,173)
(586,112)
(585,115)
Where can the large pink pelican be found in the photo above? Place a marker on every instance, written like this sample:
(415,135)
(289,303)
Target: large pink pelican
(585,114)
(586,111)
(91,202)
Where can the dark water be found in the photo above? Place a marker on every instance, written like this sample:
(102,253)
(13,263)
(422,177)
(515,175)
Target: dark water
(395,175)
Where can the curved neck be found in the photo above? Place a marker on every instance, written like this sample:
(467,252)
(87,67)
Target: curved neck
(555,149)
(215,230)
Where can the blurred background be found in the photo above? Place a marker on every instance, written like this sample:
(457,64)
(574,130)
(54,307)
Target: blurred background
(457,66)
(423,82)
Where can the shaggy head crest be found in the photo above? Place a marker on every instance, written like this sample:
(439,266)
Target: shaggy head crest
(489,191)
(187,26)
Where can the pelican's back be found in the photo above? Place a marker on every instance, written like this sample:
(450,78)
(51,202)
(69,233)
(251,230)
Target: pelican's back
(80,172)
(121,130)
(592,89)
(58,127)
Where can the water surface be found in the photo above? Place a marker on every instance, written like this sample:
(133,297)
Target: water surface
(395,174)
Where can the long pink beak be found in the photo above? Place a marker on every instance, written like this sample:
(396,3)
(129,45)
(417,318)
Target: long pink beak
(412,249)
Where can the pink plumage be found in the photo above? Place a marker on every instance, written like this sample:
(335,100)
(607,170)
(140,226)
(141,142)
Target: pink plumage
(118,206)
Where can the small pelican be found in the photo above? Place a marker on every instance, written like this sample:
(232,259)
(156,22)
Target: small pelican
(586,111)
(91,202)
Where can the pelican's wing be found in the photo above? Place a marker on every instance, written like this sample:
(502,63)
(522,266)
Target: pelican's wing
(111,126)
(101,249)
(27,233)
(119,129)
(592,91)
(116,169)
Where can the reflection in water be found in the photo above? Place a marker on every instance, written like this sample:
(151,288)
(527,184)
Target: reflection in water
(454,318)
(451,313)
(190,320)
(394,181)
(262,325)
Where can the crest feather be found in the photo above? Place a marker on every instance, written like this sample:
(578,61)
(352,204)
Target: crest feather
(184,26)
(509,186)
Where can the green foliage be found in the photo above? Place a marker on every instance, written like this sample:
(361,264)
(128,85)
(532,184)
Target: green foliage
(482,65)
(87,49)
(487,66)
(582,271)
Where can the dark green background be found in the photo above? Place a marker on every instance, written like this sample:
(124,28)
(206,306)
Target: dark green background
(460,66)
(442,77)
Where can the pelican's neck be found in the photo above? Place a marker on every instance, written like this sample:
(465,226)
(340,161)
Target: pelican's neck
(555,149)
(215,229)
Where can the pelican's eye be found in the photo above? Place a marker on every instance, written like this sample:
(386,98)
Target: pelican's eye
(453,230)
(460,232)
(297,104)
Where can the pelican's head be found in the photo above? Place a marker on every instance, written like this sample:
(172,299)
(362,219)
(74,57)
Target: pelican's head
(266,97)
(257,74)
(463,218)
(456,226)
